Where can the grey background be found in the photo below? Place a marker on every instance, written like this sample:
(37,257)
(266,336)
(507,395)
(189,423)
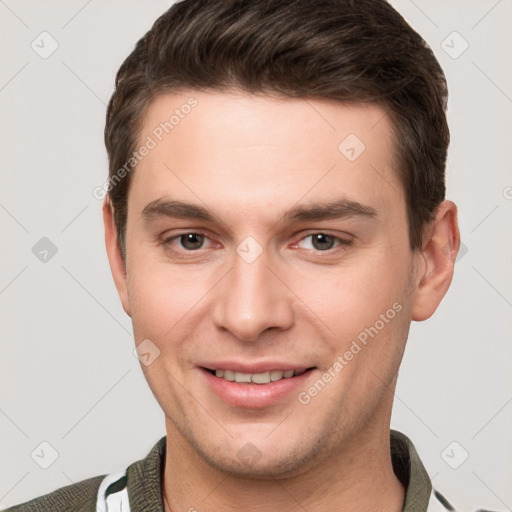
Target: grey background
(68,376)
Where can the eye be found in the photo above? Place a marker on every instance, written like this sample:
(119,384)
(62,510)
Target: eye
(186,241)
(191,241)
(189,246)
(321,242)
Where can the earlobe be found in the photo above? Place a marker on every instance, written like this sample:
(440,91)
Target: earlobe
(117,265)
(440,248)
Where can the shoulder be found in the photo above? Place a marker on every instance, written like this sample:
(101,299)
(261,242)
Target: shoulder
(79,497)
(140,481)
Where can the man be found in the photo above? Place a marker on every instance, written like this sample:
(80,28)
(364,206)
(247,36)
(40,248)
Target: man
(275,219)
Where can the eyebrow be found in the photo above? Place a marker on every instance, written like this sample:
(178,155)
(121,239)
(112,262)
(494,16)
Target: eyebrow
(179,209)
(338,209)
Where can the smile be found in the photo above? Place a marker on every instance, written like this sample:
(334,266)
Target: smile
(253,386)
(256,378)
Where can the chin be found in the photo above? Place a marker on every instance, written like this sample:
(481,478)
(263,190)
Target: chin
(264,461)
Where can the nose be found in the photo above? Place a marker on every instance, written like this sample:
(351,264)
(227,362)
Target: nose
(252,299)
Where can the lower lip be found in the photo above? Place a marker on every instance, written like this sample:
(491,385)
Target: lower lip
(255,395)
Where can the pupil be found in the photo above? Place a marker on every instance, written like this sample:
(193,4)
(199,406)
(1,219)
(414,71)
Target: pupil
(322,241)
(192,241)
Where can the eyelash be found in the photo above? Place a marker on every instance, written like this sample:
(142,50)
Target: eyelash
(339,242)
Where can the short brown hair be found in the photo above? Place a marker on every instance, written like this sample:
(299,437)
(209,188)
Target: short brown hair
(346,50)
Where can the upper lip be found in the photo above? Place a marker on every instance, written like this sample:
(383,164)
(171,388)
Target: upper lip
(256,367)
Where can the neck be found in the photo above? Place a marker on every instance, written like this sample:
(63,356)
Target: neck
(357,477)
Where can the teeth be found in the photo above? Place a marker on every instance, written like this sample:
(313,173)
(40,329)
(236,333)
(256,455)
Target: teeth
(242,377)
(229,375)
(276,375)
(257,378)
(261,378)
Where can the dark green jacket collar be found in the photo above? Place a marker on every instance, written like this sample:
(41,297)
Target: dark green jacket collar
(144,484)
(144,477)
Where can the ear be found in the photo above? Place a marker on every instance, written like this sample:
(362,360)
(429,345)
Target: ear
(436,261)
(115,258)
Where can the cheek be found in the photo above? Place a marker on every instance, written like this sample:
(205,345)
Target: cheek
(363,311)
(165,299)
(356,291)
(149,299)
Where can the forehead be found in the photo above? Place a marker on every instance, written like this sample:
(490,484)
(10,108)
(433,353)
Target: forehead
(259,150)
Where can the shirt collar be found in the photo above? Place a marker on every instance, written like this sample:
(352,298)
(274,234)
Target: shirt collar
(145,477)
(410,471)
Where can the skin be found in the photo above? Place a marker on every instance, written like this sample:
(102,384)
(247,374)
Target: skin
(250,159)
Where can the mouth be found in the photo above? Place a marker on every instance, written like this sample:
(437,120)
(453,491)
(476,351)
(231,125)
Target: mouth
(256,378)
(256,387)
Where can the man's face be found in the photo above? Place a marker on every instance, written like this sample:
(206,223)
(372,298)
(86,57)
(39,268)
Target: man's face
(264,238)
